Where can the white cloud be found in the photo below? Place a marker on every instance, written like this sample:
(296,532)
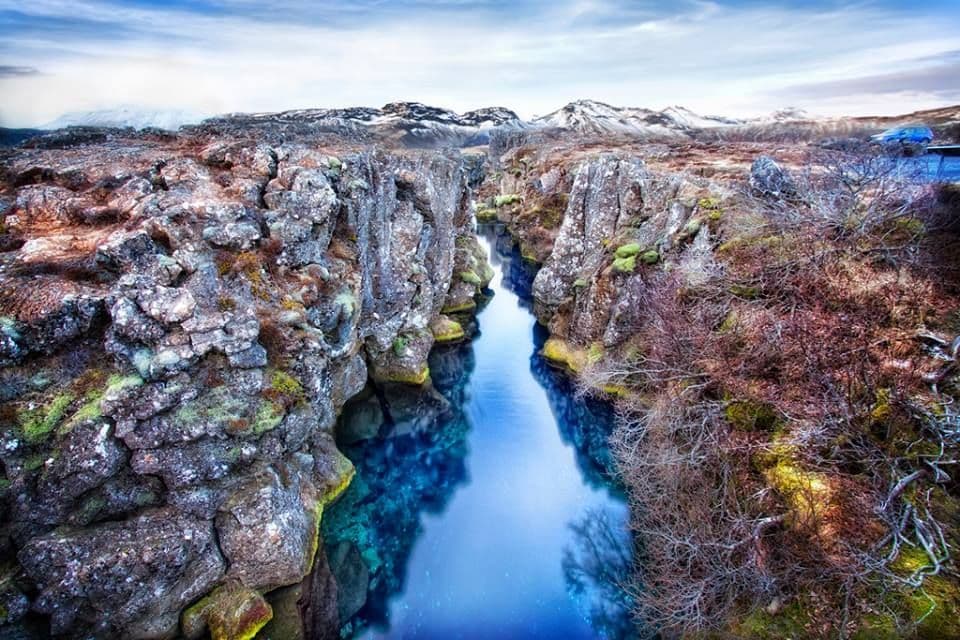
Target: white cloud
(712,58)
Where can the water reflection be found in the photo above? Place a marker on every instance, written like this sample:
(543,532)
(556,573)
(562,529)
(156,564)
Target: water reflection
(483,507)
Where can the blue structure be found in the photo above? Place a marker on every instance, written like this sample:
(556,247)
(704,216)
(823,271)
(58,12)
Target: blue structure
(913,134)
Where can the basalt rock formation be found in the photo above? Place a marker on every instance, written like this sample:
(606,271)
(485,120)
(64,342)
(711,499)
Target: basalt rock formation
(181,320)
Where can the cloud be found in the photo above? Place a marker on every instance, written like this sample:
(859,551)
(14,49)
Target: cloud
(213,56)
(936,79)
(12,71)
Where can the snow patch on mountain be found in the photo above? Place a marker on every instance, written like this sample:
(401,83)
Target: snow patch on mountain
(128,116)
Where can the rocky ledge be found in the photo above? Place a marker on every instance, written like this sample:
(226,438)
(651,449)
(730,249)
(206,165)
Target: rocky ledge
(181,320)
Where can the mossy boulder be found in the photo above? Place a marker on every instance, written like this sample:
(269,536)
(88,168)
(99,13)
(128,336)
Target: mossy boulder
(560,353)
(231,612)
(471,278)
(468,306)
(446,330)
(486,214)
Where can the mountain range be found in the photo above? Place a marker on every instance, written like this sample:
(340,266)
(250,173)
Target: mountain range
(417,124)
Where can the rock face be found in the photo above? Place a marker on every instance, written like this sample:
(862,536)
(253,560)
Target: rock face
(181,320)
(620,219)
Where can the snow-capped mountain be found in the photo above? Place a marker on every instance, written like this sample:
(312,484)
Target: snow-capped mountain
(687,118)
(598,118)
(789,114)
(127,116)
(411,123)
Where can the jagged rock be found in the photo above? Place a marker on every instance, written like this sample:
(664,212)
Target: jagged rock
(166,304)
(13,603)
(183,465)
(767,178)
(146,257)
(268,528)
(133,576)
(353,579)
(231,612)
(606,193)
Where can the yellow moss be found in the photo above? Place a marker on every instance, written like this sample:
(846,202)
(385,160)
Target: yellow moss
(36,425)
(882,409)
(417,378)
(446,330)
(617,390)
(467,306)
(231,612)
(805,492)
(562,353)
(790,622)
(746,415)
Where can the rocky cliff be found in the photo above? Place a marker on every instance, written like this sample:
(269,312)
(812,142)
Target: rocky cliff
(181,320)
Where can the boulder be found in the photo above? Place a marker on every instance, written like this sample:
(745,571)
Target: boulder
(132,577)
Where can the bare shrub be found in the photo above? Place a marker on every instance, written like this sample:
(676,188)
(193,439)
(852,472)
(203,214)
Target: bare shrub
(809,319)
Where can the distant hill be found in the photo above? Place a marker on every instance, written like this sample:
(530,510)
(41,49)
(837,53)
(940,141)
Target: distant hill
(13,137)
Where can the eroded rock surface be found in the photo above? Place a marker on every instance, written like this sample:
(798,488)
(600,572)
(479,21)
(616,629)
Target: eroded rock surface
(181,320)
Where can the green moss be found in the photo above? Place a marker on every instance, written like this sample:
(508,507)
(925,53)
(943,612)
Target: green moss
(691,229)
(417,378)
(709,204)
(561,353)
(37,425)
(486,214)
(625,265)
(747,415)
(580,283)
(650,257)
(231,612)
(471,278)
(595,353)
(35,461)
(463,307)
(791,622)
(507,199)
(285,384)
(747,292)
(628,250)
(268,417)
(400,345)
(446,330)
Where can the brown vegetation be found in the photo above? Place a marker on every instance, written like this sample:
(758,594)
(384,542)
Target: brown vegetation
(792,426)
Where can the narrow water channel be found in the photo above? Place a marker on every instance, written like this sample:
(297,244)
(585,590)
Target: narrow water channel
(484,508)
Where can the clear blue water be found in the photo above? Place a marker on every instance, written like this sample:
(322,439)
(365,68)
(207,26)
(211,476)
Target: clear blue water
(486,508)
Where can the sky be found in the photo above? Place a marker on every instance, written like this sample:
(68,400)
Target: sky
(736,58)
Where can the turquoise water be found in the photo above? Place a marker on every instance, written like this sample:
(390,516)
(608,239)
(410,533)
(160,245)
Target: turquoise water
(484,508)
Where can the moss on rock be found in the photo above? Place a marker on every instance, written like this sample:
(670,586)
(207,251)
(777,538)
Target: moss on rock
(625,265)
(747,415)
(465,307)
(650,257)
(231,612)
(446,330)
(561,353)
(628,250)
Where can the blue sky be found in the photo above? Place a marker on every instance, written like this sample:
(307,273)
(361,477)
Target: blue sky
(730,58)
